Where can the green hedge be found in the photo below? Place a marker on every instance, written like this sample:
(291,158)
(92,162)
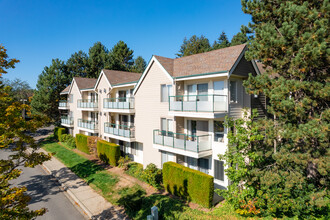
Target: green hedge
(108,152)
(81,143)
(188,183)
(56,132)
(60,132)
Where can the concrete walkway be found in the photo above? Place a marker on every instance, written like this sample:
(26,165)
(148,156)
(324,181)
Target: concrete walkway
(93,205)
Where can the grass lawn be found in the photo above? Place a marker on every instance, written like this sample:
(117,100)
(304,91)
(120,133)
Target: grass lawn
(133,199)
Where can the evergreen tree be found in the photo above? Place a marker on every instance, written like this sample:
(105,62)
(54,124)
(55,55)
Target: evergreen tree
(121,57)
(222,42)
(97,60)
(77,64)
(139,65)
(287,173)
(51,82)
(194,45)
(242,37)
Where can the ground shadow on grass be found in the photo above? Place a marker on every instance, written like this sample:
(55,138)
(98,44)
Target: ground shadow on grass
(138,206)
(85,169)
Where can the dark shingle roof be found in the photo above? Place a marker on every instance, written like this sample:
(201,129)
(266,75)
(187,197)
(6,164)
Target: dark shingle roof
(66,90)
(120,77)
(209,62)
(85,83)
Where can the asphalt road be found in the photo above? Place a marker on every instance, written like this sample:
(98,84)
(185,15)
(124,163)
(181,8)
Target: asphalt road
(45,193)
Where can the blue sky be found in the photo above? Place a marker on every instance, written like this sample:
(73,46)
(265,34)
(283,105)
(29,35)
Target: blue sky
(35,32)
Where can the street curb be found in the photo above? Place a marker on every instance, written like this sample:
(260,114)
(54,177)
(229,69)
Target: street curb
(68,192)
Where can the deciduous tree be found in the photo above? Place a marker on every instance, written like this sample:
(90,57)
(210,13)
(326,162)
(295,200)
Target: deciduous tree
(14,137)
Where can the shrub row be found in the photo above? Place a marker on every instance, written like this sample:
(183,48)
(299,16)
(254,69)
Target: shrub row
(58,131)
(188,183)
(81,143)
(69,140)
(151,174)
(108,152)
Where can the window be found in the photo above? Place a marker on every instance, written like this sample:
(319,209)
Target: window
(202,91)
(219,170)
(165,92)
(192,163)
(166,126)
(122,96)
(133,148)
(219,87)
(203,165)
(166,157)
(219,131)
(233,91)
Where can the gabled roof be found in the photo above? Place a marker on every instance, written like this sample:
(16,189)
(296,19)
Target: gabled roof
(209,62)
(85,83)
(116,77)
(66,90)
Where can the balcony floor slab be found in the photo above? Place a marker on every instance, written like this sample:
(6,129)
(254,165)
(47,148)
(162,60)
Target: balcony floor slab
(183,152)
(126,139)
(209,115)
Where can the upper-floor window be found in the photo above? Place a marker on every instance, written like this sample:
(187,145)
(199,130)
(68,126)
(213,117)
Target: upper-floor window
(233,91)
(165,92)
(219,131)
(166,126)
(198,91)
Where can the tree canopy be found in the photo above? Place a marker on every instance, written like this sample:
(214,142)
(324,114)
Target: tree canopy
(139,65)
(98,58)
(14,137)
(120,57)
(51,82)
(287,172)
(19,89)
(77,64)
(194,45)
(222,42)
(242,37)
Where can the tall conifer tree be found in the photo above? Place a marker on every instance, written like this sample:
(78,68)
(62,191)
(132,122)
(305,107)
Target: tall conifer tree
(288,171)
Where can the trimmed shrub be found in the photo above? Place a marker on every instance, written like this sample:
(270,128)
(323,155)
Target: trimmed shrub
(56,132)
(188,183)
(152,175)
(69,140)
(123,162)
(91,143)
(135,170)
(81,143)
(60,132)
(108,152)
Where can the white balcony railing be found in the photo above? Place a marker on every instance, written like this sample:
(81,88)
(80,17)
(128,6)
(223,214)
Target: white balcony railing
(63,103)
(91,125)
(199,103)
(87,103)
(185,142)
(119,130)
(119,103)
(67,120)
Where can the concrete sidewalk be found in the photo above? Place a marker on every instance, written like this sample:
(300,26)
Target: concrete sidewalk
(93,205)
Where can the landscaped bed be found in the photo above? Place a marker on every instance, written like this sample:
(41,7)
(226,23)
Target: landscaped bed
(134,199)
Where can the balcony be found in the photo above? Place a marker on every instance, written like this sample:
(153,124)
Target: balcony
(203,106)
(122,104)
(183,144)
(89,126)
(87,104)
(63,104)
(119,131)
(67,121)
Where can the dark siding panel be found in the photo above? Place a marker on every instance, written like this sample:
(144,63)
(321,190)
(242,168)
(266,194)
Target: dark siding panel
(244,67)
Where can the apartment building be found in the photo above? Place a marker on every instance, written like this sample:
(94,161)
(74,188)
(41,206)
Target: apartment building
(174,111)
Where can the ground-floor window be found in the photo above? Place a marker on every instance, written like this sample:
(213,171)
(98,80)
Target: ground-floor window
(201,164)
(166,156)
(219,173)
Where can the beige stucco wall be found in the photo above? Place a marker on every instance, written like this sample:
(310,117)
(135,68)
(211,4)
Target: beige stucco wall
(73,107)
(148,112)
(102,89)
